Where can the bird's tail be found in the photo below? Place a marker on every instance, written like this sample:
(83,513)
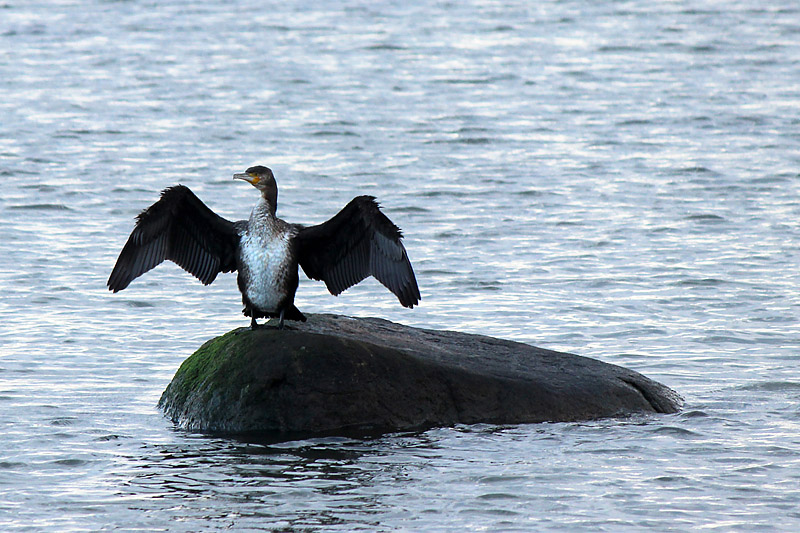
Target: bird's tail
(293,313)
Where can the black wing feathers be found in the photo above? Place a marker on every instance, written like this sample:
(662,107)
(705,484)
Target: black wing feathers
(181,228)
(358,242)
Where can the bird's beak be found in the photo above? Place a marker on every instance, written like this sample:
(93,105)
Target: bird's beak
(250,178)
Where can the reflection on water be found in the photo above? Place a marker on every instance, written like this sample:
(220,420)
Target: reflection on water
(336,480)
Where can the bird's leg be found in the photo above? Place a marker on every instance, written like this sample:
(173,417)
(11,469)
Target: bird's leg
(253,323)
(280,324)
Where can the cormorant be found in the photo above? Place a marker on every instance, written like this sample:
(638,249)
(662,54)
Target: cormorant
(358,242)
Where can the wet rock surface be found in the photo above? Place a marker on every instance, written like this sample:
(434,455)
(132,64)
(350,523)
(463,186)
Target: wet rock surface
(340,374)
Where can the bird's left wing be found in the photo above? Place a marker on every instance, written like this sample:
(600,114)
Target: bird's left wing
(358,242)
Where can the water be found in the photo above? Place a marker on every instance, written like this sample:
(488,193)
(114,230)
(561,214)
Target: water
(619,180)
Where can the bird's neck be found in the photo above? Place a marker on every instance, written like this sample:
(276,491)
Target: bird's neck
(266,207)
(262,218)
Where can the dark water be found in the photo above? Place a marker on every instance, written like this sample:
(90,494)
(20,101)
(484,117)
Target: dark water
(618,180)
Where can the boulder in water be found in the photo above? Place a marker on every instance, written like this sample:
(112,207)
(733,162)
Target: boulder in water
(336,374)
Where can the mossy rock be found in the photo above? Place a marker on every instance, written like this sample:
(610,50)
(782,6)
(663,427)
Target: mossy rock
(336,374)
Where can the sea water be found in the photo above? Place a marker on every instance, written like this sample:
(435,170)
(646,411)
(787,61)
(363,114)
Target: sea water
(619,180)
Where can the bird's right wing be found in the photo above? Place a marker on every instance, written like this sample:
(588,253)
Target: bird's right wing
(181,228)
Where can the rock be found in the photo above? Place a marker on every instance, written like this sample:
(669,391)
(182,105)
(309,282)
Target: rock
(336,374)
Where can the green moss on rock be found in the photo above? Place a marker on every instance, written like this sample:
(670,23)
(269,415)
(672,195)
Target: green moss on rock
(204,372)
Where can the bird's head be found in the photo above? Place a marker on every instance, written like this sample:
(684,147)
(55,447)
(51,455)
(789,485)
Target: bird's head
(262,179)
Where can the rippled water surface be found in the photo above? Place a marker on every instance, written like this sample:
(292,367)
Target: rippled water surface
(617,179)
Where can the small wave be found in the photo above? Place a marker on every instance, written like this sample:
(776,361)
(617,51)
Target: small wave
(772,386)
(63,288)
(703,48)
(106,438)
(669,479)
(676,431)
(634,122)
(41,187)
(410,209)
(463,140)
(472,129)
(74,133)
(501,479)
(329,133)
(63,421)
(138,303)
(756,120)
(694,414)
(384,46)
(40,207)
(530,192)
(119,190)
(777,178)
(697,170)
(70,462)
(45,300)
(487,286)
(437,272)
(721,339)
(786,319)
(474,81)
(619,48)
(756,469)
(498,496)
(702,282)
(475,140)
(705,218)
(433,194)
